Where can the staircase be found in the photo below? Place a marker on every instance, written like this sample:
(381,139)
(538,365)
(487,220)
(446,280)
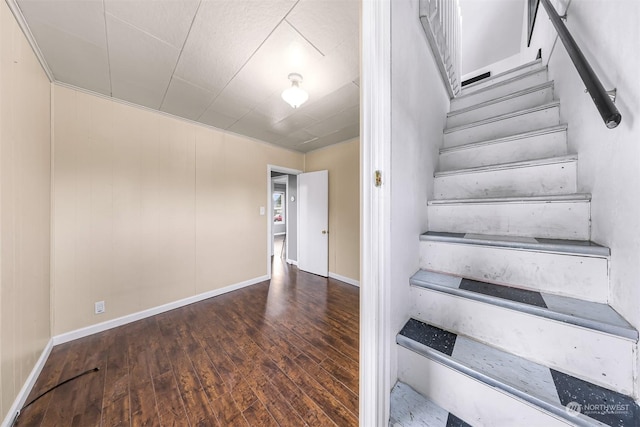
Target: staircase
(510,324)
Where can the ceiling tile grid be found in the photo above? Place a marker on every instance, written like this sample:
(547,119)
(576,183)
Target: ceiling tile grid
(223,63)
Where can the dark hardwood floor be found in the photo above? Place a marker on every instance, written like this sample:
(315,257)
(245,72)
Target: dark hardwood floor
(279,353)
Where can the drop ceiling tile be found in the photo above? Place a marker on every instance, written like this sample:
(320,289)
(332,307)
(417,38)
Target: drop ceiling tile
(73,60)
(141,65)
(186,100)
(350,132)
(231,106)
(224,35)
(295,138)
(256,126)
(215,119)
(295,122)
(342,98)
(339,121)
(82,19)
(168,20)
(275,108)
(72,38)
(326,23)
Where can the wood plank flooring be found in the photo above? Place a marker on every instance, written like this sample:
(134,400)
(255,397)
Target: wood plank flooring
(279,353)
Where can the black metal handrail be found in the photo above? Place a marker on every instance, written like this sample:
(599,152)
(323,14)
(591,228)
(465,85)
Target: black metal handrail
(599,95)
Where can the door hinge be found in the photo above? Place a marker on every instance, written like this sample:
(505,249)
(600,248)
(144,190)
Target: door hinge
(378,178)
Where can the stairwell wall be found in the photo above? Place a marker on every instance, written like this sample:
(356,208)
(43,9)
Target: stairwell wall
(609,160)
(419,103)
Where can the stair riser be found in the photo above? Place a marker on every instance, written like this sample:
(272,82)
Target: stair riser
(600,358)
(470,399)
(537,180)
(505,89)
(535,147)
(500,128)
(561,274)
(499,78)
(557,220)
(522,102)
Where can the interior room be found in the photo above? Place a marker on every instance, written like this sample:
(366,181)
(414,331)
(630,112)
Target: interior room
(138,141)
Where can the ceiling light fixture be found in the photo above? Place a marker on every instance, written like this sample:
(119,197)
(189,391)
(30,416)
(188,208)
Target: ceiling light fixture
(295,96)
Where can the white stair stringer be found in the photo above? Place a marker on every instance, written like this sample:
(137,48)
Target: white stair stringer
(570,269)
(536,144)
(513,84)
(560,340)
(534,118)
(554,217)
(521,100)
(539,177)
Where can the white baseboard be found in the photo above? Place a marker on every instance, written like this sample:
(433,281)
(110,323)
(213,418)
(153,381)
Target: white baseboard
(28,385)
(344,279)
(109,324)
(292,261)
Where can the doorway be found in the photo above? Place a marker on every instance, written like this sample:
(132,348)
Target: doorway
(282,213)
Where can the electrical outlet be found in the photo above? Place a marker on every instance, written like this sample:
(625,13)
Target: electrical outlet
(100,307)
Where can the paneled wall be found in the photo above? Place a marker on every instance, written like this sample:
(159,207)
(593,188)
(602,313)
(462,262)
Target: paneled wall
(149,209)
(25,183)
(343,163)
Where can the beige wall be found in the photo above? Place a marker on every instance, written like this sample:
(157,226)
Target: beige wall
(24,209)
(149,209)
(343,163)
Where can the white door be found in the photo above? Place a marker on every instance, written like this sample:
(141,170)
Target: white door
(313,222)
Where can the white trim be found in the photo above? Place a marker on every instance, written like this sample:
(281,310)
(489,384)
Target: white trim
(375,154)
(22,23)
(110,324)
(292,261)
(347,280)
(21,398)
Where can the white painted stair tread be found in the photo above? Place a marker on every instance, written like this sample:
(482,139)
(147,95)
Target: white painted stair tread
(510,165)
(578,197)
(521,99)
(529,119)
(411,409)
(550,176)
(591,315)
(536,144)
(548,216)
(501,88)
(501,117)
(575,247)
(514,72)
(537,384)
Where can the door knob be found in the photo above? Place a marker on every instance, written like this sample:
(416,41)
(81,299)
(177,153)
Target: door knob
(325,232)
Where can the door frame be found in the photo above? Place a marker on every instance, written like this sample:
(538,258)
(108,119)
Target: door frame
(375,208)
(280,169)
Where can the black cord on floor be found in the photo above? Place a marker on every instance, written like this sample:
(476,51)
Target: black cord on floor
(88,371)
